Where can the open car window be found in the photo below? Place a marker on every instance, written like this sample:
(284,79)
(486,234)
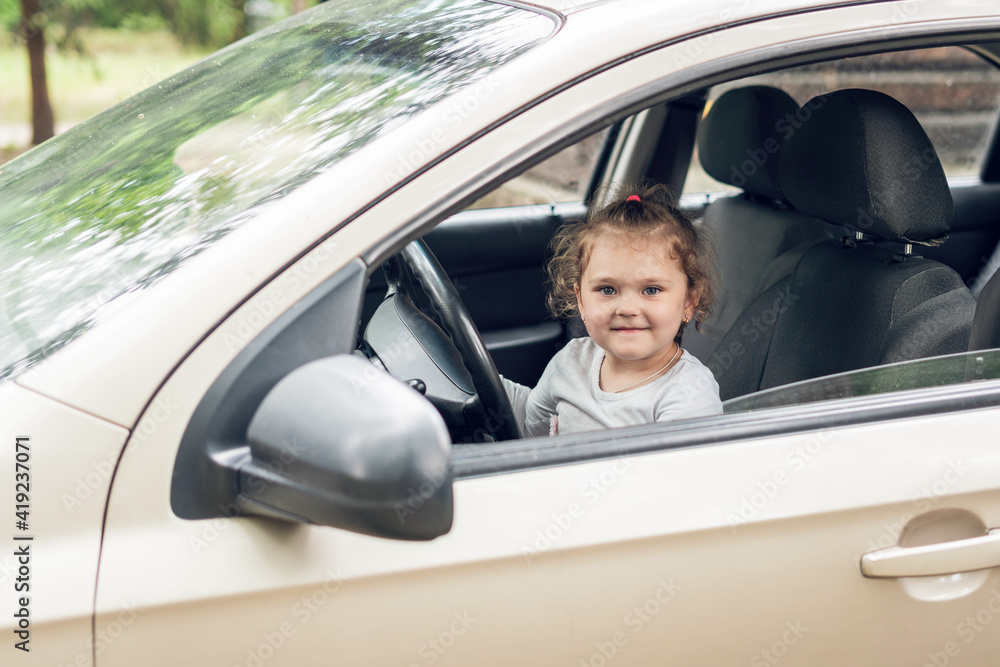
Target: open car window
(954,92)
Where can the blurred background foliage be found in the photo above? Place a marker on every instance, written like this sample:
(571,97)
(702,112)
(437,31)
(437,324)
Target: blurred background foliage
(212,23)
(98,52)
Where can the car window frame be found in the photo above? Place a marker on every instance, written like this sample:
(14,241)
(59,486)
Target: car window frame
(474,460)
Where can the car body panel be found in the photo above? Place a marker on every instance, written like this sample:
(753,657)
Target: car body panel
(529,556)
(71,457)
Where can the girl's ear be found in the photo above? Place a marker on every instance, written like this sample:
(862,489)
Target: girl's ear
(579,304)
(693,297)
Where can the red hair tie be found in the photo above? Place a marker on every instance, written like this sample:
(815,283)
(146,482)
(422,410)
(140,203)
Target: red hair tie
(634,198)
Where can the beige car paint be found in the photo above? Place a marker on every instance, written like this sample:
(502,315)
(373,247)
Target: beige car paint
(71,457)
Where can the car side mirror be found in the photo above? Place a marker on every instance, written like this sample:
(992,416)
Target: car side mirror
(340,443)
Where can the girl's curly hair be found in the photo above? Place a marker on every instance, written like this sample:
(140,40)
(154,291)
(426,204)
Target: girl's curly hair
(652,215)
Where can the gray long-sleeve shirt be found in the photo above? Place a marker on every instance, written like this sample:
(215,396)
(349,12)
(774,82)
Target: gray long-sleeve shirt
(568,397)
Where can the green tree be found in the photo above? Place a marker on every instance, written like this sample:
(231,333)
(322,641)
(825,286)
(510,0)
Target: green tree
(32,31)
(203,22)
(212,23)
(30,27)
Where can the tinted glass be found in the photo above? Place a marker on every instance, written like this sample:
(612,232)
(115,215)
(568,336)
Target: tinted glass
(919,374)
(124,198)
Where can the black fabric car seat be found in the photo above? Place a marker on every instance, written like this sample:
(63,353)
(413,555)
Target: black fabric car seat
(739,143)
(862,161)
(986,324)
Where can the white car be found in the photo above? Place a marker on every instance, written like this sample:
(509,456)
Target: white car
(225,440)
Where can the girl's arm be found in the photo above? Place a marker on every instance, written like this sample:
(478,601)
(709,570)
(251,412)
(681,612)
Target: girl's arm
(518,395)
(540,409)
(533,408)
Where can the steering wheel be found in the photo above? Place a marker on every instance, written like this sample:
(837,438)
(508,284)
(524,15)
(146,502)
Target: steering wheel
(454,318)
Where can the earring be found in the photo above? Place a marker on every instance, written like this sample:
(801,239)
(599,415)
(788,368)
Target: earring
(583,318)
(687,318)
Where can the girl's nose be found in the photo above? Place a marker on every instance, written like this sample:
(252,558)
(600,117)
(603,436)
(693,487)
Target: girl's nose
(626,306)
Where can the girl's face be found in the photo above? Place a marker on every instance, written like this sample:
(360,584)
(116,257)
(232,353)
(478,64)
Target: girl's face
(633,297)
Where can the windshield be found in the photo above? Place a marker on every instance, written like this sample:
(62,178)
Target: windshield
(124,198)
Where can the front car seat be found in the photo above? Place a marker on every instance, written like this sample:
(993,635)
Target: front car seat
(986,325)
(861,161)
(759,237)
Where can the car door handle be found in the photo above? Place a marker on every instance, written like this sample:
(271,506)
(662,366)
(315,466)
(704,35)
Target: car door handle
(976,553)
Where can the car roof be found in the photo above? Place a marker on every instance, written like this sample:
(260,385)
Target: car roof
(727,9)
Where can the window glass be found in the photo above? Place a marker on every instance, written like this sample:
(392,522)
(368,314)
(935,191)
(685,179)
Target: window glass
(918,374)
(123,199)
(954,93)
(564,177)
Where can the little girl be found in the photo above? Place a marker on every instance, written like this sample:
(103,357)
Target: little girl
(636,272)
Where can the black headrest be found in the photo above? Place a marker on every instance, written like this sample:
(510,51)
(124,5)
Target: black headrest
(860,159)
(739,139)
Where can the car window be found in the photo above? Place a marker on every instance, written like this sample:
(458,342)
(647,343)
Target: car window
(919,374)
(124,198)
(953,92)
(562,178)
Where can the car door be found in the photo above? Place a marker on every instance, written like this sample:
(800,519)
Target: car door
(735,538)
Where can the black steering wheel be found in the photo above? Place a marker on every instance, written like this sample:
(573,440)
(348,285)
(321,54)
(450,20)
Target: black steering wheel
(497,415)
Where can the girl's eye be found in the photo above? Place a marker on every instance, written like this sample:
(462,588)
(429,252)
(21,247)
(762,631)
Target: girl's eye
(607,291)
(651,291)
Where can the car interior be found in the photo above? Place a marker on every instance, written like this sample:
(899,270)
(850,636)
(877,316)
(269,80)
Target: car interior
(854,204)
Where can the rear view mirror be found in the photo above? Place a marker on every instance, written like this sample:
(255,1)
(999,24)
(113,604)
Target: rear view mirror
(341,443)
